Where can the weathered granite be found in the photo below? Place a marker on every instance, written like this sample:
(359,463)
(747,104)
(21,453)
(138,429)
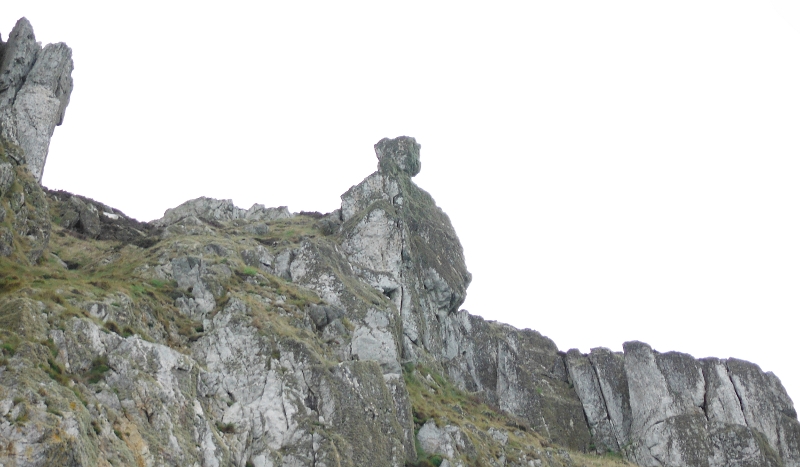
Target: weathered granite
(226,344)
(675,410)
(35,87)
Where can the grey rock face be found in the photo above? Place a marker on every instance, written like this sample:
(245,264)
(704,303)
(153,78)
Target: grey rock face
(587,386)
(35,87)
(520,371)
(19,55)
(610,370)
(92,219)
(220,210)
(221,347)
(402,152)
(675,410)
(767,408)
(448,440)
(83,217)
(405,246)
(259,257)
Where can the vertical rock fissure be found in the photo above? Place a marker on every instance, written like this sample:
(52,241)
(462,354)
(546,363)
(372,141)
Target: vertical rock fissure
(283,405)
(583,405)
(605,403)
(736,391)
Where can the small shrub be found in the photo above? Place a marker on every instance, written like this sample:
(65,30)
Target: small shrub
(97,370)
(8,349)
(226,428)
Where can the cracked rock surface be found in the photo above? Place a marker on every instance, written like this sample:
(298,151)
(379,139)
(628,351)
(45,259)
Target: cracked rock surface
(35,87)
(678,410)
(222,336)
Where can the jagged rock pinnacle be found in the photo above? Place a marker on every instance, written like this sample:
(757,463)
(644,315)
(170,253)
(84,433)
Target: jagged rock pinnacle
(35,87)
(402,151)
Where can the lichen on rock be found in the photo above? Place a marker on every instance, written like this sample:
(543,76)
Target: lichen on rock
(220,336)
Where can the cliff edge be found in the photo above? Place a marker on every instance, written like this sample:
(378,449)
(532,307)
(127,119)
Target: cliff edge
(218,335)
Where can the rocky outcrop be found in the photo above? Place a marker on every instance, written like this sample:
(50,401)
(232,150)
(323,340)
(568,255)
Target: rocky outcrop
(219,210)
(256,337)
(670,409)
(35,87)
(404,245)
(223,336)
(90,219)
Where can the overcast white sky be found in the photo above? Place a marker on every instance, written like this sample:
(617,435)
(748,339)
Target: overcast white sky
(616,170)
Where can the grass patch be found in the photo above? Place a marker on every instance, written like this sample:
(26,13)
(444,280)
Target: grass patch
(158,283)
(248,271)
(8,349)
(56,372)
(97,370)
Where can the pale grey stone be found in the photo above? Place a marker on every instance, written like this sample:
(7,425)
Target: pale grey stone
(258,228)
(259,257)
(584,378)
(283,263)
(271,382)
(220,210)
(722,403)
(35,87)
(189,273)
(375,342)
(435,440)
(18,59)
(610,370)
(767,409)
(323,315)
(40,105)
